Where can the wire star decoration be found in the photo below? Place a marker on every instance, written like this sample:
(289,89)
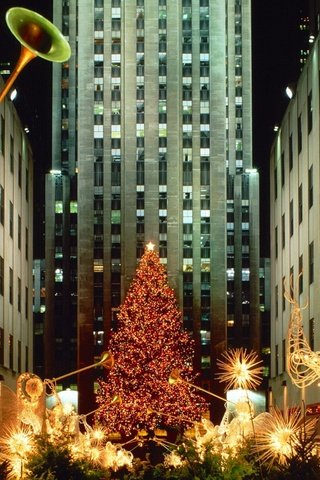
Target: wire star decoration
(240,369)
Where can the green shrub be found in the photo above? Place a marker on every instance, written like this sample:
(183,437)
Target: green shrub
(54,462)
(5,470)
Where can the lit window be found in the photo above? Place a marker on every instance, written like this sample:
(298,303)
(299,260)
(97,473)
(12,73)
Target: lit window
(73,207)
(115,216)
(205,361)
(58,275)
(59,207)
(230,273)
(187,216)
(245,274)
(205,337)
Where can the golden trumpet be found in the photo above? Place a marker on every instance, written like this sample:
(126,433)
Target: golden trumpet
(175,378)
(38,38)
(106,360)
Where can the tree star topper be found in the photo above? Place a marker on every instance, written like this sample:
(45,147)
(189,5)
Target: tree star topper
(150,246)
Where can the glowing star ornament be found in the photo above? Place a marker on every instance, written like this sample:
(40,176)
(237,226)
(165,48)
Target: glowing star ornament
(150,246)
(240,369)
(279,438)
(16,445)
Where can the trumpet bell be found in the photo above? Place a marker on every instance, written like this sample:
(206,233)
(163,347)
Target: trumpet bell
(107,360)
(38,34)
(174,377)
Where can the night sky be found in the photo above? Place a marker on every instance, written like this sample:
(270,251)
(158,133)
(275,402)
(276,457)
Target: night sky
(275,60)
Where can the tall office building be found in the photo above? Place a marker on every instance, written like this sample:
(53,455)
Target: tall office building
(16,233)
(152,141)
(294,222)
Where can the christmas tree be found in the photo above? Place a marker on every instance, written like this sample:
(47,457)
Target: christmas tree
(148,344)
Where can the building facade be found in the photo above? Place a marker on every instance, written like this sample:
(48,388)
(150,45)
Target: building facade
(16,235)
(295,190)
(152,141)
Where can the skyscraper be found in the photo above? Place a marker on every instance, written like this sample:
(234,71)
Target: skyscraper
(152,141)
(16,233)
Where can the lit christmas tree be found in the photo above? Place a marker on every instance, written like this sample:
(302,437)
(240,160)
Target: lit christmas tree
(148,344)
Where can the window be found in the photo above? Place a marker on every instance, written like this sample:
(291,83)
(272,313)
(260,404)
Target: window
(205,361)
(19,356)
(27,244)
(19,169)
(1,275)
(275,180)
(284,357)
(11,352)
(277,360)
(10,285)
(27,184)
(291,218)
(283,297)
(26,304)
(290,152)
(2,135)
(73,206)
(310,112)
(276,241)
(98,174)
(19,294)
(19,232)
(1,346)
(300,206)
(300,274)
(299,134)
(1,204)
(283,226)
(276,294)
(11,154)
(11,219)
(282,169)
(310,186)
(311,262)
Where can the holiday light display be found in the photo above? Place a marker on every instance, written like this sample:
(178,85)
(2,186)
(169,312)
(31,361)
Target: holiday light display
(15,447)
(303,365)
(280,435)
(240,369)
(31,400)
(147,345)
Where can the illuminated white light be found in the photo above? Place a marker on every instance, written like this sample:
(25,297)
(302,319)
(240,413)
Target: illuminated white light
(13,94)
(289,92)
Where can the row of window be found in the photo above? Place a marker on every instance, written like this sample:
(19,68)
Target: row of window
(290,146)
(11,224)
(291,213)
(12,353)
(11,290)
